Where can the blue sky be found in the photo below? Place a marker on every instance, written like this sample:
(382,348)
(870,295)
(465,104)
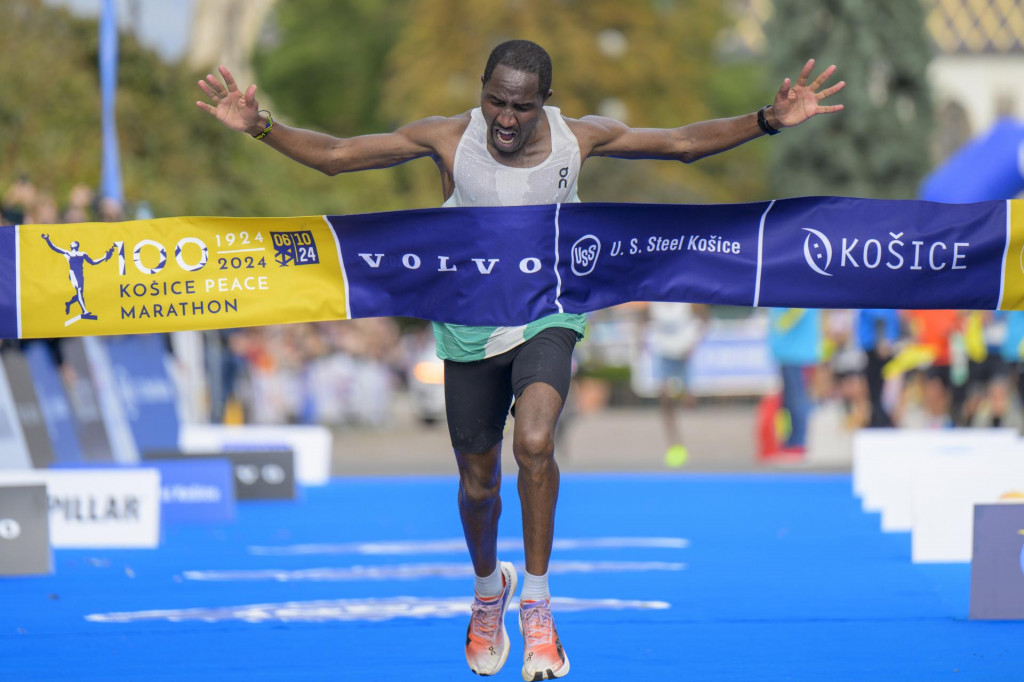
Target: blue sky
(163,25)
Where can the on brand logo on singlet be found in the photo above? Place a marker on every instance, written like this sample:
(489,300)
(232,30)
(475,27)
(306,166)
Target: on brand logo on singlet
(563,178)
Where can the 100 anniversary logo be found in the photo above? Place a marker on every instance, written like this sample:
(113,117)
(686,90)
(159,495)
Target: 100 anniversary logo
(251,270)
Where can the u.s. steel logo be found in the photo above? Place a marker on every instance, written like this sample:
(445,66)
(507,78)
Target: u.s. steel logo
(584,254)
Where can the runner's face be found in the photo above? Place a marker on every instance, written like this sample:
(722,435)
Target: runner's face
(512,107)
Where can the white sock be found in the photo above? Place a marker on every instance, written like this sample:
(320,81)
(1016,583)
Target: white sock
(489,586)
(535,587)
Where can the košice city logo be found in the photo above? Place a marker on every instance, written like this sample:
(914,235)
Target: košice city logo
(895,251)
(584,254)
(817,251)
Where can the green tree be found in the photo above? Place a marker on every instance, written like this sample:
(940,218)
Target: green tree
(173,155)
(878,146)
(324,61)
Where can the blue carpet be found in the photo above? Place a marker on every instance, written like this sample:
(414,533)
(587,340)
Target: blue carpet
(779,578)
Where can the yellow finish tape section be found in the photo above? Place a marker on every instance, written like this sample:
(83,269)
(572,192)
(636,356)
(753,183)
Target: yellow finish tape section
(175,274)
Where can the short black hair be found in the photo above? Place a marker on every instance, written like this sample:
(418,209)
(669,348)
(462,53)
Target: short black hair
(522,55)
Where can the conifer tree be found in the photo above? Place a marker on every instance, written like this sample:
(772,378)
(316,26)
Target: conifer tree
(878,146)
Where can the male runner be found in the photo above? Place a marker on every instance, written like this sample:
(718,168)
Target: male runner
(511,151)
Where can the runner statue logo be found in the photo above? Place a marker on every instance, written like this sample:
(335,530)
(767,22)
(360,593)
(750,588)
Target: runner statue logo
(76,273)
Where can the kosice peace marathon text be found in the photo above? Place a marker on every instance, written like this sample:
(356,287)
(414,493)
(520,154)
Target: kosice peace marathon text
(239,263)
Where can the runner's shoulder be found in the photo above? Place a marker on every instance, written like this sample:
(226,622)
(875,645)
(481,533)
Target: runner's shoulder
(592,131)
(437,128)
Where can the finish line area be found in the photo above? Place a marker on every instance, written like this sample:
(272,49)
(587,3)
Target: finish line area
(672,576)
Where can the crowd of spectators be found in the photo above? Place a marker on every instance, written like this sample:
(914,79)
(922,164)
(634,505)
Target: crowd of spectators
(334,373)
(911,368)
(25,203)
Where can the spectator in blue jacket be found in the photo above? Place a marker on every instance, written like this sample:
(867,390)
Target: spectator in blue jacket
(796,339)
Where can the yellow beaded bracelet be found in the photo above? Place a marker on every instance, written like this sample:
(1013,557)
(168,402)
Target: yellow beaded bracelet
(266,129)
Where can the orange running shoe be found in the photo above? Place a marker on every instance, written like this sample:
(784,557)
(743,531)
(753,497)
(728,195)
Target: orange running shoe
(543,657)
(486,637)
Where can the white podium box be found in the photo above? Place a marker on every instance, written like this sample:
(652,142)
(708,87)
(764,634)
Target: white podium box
(898,488)
(945,490)
(98,508)
(884,461)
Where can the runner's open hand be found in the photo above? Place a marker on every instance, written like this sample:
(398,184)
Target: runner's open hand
(235,109)
(794,104)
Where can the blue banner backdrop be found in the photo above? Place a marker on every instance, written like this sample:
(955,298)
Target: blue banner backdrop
(53,401)
(145,389)
(501,266)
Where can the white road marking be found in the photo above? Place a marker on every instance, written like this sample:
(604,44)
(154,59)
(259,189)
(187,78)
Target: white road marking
(349,610)
(458,546)
(416,571)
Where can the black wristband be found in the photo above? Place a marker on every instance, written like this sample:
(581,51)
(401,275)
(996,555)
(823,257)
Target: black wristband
(762,122)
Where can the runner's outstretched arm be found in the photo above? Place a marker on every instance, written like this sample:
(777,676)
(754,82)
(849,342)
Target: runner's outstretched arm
(328,154)
(793,105)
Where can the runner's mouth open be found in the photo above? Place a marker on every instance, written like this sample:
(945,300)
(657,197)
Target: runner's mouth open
(505,138)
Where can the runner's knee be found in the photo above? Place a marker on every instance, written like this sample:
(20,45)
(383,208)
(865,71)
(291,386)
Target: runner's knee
(533,445)
(480,477)
(479,490)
